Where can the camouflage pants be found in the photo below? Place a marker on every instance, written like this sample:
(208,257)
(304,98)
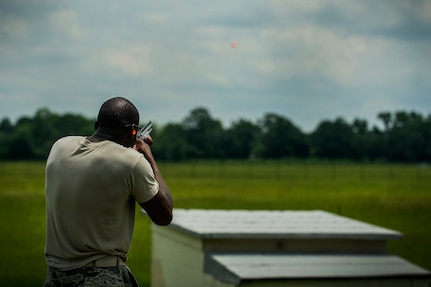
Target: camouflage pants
(91,276)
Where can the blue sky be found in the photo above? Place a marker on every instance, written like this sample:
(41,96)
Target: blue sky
(305,60)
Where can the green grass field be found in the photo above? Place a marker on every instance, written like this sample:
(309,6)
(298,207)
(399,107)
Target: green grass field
(392,196)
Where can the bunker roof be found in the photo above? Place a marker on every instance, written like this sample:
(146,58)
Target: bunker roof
(234,268)
(287,224)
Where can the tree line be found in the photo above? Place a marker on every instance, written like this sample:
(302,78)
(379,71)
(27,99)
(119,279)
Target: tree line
(404,137)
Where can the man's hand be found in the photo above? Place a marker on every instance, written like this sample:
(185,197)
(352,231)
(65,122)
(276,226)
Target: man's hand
(159,208)
(144,147)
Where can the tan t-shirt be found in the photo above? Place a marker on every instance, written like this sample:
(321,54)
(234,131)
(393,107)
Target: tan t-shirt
(91,188)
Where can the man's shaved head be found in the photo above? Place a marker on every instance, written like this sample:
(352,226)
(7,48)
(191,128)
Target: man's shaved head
(117,112)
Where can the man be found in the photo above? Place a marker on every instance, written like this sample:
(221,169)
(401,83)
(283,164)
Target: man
(92,184)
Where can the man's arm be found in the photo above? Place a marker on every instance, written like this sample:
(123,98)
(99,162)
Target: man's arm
(159,208)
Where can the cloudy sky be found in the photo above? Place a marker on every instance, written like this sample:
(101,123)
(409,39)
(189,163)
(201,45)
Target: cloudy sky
(305,60)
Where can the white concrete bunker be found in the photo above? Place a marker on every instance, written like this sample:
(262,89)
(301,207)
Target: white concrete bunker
(276,248)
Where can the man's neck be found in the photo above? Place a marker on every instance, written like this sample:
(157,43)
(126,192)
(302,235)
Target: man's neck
(101,135)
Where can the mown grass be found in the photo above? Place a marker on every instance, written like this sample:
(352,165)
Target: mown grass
(392,196)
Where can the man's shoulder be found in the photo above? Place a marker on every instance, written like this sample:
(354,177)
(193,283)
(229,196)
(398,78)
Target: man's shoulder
(123,153)
(68,140)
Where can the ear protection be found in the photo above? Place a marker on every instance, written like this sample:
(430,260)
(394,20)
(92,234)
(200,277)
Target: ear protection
(133,129)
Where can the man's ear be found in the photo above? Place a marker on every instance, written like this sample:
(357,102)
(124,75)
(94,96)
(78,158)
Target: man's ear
(132,133)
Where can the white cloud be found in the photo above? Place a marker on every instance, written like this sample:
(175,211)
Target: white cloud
(15,28)
(134,60)
(64,24)
(308,60)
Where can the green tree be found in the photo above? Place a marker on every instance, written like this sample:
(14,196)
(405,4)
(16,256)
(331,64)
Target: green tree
(333,140)
(407,139)
(32,138)
(19,143)
(376,146)
(6,130)
(281,138)
(240,139)
(360,143)
(172,143)
(427,134)
(386,118)
(43,132)
(204,134)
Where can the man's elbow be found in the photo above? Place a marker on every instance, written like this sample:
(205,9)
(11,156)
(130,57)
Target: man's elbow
(163,220)
(159,209)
